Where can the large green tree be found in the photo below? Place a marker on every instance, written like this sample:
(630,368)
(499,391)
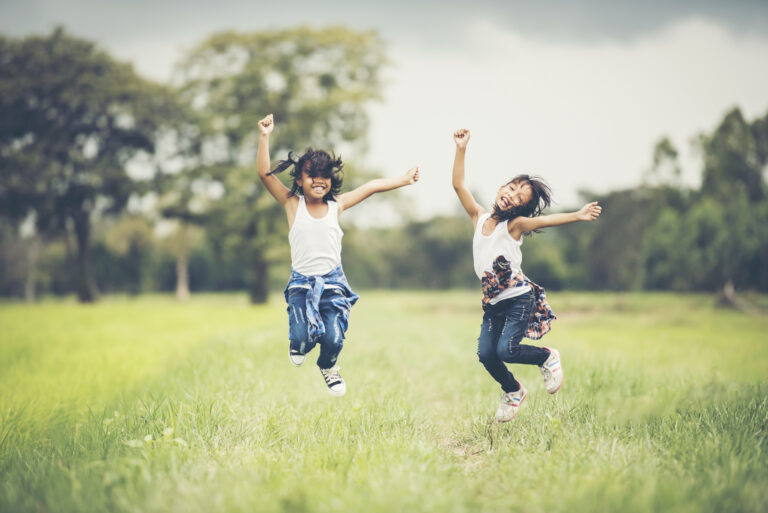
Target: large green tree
(317,83)
(721,235)
(71,119)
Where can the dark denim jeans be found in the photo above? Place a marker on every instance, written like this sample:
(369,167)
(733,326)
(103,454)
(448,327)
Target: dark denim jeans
(331,341)
(503,327)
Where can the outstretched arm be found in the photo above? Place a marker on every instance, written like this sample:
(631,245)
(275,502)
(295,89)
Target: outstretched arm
(271,182)
(473,208)
(521,225)
(352,198)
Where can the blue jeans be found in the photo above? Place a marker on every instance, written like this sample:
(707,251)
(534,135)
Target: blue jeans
(331,341)
(503,327)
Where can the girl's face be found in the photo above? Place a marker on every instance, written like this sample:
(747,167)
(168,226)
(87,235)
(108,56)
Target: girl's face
(314,188)
(513,195)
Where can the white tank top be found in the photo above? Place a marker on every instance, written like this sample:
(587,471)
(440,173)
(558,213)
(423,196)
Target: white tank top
(315,243)
(486,249)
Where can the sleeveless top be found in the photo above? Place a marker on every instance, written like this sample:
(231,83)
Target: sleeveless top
(498,261)
(315,243)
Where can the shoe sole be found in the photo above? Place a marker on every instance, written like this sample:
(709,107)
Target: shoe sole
(558,387)
(517,410)
(294,363)
(561,370)
(337,394)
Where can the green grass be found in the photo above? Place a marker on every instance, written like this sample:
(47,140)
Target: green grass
(148,405)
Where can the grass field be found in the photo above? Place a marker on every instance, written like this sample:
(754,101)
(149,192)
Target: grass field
(147,405)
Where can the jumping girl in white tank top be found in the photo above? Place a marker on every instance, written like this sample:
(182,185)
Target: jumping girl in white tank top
(318,295)
(513,305)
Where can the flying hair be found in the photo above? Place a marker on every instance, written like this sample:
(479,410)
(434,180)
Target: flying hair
(314,163)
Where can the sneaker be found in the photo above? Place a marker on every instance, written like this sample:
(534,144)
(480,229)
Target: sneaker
(552,371)
(296,357)
(510,403)
(334,381)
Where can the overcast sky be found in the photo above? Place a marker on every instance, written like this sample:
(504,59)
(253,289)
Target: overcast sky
(577,92)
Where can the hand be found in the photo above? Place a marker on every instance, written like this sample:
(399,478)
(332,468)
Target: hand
(589,212)
(266,125)
(412,175)
(461,137)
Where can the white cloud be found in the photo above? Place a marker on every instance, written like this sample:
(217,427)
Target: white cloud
(581,115)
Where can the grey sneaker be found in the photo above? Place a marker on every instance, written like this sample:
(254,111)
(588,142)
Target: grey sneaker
(552,371)
(296,357)
(510,403)
(334,381)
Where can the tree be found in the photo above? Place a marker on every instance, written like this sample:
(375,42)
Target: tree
(734,158)
(185,234)
(613,254)
(718,237)
(71,119)
(131,239)
(185,201)
(316,82)
(665,169)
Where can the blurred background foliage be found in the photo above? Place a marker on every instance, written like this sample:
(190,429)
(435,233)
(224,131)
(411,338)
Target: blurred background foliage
(110,183)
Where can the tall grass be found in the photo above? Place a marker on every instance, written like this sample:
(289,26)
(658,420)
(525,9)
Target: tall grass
(148,405)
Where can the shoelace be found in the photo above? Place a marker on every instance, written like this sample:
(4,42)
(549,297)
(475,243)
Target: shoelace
(331,375)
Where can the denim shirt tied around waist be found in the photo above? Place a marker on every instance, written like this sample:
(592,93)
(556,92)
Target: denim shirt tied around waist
(342,302)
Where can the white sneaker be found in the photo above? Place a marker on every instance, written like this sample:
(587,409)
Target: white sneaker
(334,381)
(552,371)
(510,403)
(296,357)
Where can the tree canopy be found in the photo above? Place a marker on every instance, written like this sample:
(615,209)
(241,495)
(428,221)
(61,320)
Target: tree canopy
(317,83)
(71,119)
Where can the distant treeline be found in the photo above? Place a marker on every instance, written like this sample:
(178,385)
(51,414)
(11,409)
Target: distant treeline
(193,216)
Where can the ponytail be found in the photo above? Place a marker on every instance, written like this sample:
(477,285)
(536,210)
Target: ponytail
(284,164)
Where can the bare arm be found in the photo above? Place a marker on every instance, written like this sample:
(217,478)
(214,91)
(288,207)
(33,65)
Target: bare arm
(352,198)
(271,182)
(473,208)
(521,225)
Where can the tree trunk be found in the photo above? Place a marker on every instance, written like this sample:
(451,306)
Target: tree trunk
(727,298)
(86,290)
(182,276)
(70,252)
(33,256)
(259,287)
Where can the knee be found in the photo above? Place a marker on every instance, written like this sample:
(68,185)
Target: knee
(505,353)
(332,342)
(509,351)
(485,354)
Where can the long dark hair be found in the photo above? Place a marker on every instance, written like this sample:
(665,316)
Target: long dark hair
(314,163)
(541,198)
